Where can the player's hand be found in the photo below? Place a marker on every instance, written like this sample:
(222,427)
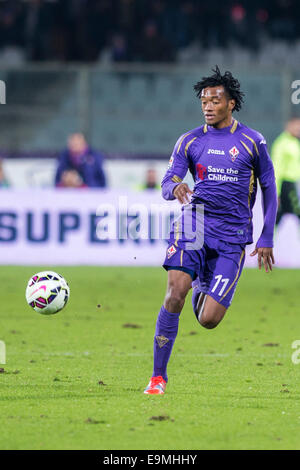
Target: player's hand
(265,256)
(182,192)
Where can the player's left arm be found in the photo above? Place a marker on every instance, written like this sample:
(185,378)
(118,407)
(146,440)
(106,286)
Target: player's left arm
(264,170)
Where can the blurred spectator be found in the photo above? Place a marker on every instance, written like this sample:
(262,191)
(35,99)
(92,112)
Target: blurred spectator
(152,47)
(39,19)
(214,29)
(3,181)
(119,48)
(12,33)
(71,179)
(86,162)
(186,24)
(151,180)
(239,24)
(93,23)
(285,154)
(11,24)
(283,24)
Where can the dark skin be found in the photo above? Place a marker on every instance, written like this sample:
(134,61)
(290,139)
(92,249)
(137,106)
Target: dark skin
(217,108)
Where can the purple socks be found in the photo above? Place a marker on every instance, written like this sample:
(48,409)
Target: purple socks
(165,335)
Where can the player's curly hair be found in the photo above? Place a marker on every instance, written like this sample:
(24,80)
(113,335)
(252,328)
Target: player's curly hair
(230,84)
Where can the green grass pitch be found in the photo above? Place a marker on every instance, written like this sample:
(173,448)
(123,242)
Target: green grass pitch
(75,380)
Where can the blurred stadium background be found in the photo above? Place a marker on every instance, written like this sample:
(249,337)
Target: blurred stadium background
(122,72)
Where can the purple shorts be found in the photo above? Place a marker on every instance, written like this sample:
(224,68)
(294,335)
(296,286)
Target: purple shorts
(217,265)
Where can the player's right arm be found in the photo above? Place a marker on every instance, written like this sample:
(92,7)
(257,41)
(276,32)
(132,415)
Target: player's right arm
(172,186)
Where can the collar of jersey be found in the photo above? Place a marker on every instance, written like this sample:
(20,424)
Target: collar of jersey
(225,130)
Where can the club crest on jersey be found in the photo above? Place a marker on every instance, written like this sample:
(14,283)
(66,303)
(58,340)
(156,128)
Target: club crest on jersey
(201,171)
(234,153)
(171,251)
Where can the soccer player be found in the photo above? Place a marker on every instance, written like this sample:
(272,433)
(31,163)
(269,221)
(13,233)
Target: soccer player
(225,158)
(285,153)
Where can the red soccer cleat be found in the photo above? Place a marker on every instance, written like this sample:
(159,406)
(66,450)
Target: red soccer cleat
(156,386)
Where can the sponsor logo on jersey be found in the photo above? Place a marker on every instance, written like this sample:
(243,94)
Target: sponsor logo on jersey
(171,251)
(201,171)
(212,173)
(234,153)
(170,162)
(216,152)
(263,141)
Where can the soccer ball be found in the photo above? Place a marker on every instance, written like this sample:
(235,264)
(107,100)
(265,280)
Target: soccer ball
(47,292)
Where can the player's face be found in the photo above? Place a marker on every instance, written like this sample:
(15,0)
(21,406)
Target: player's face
(216,106)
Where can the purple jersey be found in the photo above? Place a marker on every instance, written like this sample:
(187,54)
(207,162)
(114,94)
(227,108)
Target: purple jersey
(225,165)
